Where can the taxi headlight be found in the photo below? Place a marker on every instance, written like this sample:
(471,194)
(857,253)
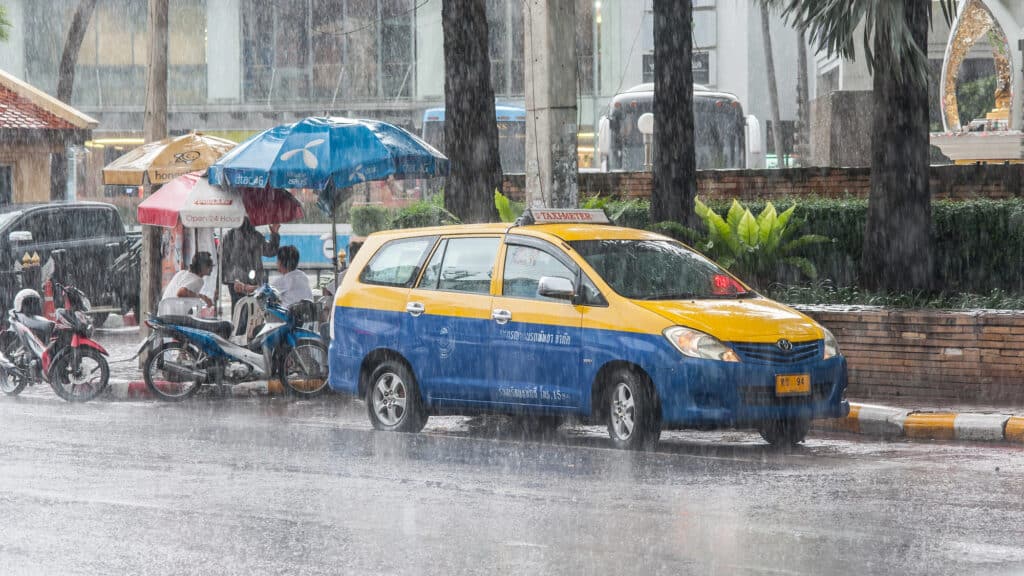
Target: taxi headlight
(831,346)
(696,344)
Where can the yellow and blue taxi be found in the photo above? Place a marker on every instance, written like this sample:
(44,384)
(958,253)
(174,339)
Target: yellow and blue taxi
(558,316)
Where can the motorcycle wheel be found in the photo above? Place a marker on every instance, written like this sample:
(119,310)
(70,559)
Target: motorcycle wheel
(303,369)
(166,385)
(11,384)
(82,382)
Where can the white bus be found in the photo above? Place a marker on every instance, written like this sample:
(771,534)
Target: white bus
(725,138)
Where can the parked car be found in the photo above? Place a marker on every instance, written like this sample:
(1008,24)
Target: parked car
(92,236)
(615,325)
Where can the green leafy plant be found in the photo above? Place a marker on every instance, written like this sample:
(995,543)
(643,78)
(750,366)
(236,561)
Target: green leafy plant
(429,212)
(369,219)
(756,247)
(508,210)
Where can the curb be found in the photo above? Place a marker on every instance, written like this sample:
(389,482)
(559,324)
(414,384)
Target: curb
(119,389)
(886,422)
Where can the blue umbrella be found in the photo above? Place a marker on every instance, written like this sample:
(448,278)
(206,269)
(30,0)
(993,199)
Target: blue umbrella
(327,154)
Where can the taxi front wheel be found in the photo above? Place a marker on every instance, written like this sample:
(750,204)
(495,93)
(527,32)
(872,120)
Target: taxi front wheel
(633,419)
(785,433)
(393,400)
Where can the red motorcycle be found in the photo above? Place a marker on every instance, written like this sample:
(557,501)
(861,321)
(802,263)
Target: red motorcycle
(72,363)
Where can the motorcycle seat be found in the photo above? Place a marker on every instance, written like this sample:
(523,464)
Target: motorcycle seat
(221,328)
(37,324)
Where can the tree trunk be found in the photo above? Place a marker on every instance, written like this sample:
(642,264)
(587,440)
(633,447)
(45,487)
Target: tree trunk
(803,105)
(69,58)
(773,89)
(675,160)
(470,128)
(897,248)
(154,128)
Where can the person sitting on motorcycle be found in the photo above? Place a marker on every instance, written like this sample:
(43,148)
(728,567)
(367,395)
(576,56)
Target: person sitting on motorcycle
(292,285)
(188,283)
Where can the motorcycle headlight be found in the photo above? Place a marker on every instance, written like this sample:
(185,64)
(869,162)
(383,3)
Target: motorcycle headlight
(831,346)
(696,344)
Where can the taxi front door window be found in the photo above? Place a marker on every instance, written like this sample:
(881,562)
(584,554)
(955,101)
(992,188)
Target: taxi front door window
(525,266)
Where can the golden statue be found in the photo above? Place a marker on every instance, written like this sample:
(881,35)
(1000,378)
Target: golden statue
(1003,98)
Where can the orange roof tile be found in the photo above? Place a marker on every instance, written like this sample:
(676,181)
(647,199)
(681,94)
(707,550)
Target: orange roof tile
(19,112)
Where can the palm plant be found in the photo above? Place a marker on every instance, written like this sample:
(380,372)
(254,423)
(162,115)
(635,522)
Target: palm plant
(756,248)
(897,251)
(5,24)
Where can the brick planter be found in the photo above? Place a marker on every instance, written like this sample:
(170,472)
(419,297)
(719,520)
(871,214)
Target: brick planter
(933,356)
(952,182)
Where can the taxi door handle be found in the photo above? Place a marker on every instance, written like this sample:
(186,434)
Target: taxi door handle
(501,316)
(414,308)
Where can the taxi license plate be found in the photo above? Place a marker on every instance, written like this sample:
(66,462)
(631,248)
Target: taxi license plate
(792,384)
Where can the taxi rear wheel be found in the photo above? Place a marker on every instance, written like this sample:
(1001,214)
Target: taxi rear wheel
(784,433)
(393,400)
(634,422)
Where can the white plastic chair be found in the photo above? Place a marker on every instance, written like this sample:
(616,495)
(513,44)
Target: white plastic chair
(179,306)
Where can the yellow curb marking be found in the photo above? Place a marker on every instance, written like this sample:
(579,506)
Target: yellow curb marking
(846,424)
(274,387)
(1015,429)
(936,426)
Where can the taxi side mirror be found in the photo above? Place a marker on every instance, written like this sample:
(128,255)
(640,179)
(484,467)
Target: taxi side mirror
(556,287)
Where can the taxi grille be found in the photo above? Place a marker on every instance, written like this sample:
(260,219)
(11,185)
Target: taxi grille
(758,353)
(765,395)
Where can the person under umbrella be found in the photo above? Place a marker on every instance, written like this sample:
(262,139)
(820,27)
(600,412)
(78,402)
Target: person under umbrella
(243,250)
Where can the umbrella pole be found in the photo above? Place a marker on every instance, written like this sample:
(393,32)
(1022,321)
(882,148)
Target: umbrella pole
(334,229)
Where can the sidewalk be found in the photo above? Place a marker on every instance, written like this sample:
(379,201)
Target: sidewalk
(963,423)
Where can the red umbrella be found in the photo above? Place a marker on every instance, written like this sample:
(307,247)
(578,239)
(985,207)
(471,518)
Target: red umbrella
(262,206)
(270,205)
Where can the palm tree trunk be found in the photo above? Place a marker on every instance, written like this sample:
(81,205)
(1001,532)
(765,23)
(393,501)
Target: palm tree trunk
(154,128)
(675,160)
(470,128)
(773,90)
(69,58)
(803,106)
(897,249)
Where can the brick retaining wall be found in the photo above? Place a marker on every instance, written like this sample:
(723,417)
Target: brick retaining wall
(930,356)
(947,182)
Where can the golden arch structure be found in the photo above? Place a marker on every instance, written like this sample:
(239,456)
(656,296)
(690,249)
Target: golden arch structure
(975,20)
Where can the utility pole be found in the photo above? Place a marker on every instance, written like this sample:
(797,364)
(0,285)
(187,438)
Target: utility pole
(551,164)
(155,128)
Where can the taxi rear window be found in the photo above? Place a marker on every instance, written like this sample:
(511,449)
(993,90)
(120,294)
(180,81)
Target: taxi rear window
(397,262)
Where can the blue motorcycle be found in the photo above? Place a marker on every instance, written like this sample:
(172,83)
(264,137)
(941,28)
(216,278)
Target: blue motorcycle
(187,352)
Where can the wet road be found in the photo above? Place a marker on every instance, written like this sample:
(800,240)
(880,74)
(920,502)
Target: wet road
(271,486)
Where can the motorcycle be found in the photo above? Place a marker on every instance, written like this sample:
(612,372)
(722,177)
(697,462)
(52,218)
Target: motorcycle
(189,352)
(60,352)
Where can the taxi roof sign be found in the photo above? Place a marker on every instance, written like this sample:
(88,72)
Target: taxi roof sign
(563,216)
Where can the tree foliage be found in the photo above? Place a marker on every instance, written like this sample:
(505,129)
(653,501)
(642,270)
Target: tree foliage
(5,24)
(831,25)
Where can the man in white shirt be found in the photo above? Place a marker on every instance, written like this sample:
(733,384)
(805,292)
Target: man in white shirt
(292,284)
(188,283)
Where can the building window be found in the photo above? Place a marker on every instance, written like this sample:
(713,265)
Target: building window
(6,184)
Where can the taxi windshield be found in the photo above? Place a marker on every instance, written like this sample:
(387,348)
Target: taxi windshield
(658,270)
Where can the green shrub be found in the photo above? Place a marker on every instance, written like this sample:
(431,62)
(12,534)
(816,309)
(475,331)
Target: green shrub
(508,211)
(977,245)
(369,219)
(755,248)
(424,213)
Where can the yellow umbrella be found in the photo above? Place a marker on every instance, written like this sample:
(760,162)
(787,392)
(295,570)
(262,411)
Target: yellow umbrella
(166,159)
